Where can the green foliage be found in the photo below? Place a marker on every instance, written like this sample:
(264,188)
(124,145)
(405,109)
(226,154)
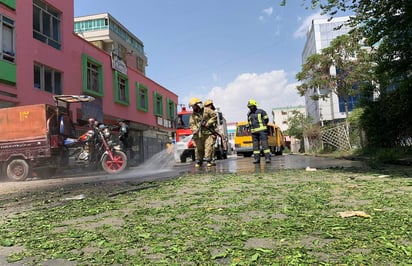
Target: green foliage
(287,217)
(386,121)
(355,116)
(298,124)
(385,26)
(342,69)
(356,134)
(379,156)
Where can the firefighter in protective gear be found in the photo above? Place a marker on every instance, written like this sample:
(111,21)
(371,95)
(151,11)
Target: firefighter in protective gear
(258,120)
(202,122)
(209,104)
(194,101)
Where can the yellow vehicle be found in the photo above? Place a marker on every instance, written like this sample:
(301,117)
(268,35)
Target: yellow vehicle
(243,139)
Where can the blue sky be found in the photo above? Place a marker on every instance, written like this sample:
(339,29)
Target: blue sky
(225,50)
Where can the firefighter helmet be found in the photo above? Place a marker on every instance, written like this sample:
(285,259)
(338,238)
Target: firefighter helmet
(208,102)
(194,101)
(251,103)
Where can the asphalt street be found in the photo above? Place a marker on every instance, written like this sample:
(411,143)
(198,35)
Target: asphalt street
(163,167)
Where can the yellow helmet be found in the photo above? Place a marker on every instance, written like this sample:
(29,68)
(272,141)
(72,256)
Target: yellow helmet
(194,101)
(251,103)
(208,102)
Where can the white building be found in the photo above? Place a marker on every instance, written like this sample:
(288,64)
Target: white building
(319,36)
(105,32)
(282,114)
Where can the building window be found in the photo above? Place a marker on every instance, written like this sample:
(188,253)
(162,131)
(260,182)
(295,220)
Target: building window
(47,79)
(126,36)
(7,39)
(158,104)
(91,25)
(121,88)
(352,102)
(171,107)
(142,97)
(46,24)
(93,77)
(92,71)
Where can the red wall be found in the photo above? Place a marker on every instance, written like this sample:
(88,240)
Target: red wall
(68,61)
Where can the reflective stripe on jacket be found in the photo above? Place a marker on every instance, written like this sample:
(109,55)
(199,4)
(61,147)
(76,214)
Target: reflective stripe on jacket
(258,120)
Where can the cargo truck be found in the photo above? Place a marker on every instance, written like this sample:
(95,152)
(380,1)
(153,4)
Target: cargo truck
(32,136)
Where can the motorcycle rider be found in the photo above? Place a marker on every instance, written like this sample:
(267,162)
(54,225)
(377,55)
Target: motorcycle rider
(201,122)
(258,120)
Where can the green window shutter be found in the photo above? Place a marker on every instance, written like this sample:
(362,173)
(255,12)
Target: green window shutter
(7,73)
(171,107)
(9,3)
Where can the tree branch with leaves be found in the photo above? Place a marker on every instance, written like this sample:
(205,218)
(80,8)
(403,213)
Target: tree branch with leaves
(342,68)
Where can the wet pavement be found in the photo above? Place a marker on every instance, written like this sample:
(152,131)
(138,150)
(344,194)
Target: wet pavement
(163,167)
(239,164)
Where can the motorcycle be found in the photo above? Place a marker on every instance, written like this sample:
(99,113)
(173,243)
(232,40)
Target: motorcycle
(96,149)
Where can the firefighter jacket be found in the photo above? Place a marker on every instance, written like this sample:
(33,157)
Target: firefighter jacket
(258,120)
(216,128)
(203,122)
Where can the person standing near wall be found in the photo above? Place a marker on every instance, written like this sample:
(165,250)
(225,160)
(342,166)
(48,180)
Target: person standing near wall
(258,120)
(123,134)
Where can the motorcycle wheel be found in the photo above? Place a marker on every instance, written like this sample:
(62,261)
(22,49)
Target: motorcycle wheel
(115,166)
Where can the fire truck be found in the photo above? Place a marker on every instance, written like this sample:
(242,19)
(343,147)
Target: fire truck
(185,144)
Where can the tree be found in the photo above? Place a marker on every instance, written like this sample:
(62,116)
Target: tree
(342,68)
(386,27)
(299,124)
(384,24)
(301,127)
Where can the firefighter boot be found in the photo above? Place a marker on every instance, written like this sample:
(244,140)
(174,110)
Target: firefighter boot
(209,162)
(267,158)
(198,163)
(256,158)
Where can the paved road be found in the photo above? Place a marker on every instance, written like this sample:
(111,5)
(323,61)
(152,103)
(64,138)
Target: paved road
(163,167)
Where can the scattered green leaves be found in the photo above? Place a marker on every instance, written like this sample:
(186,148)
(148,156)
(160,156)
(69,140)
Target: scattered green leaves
(286,217)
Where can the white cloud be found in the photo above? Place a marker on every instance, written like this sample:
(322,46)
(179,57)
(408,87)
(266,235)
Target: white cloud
(268,11)
(270,90)
(305,25)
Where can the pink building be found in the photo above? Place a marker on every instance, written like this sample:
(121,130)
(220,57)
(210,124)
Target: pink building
(41,56)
